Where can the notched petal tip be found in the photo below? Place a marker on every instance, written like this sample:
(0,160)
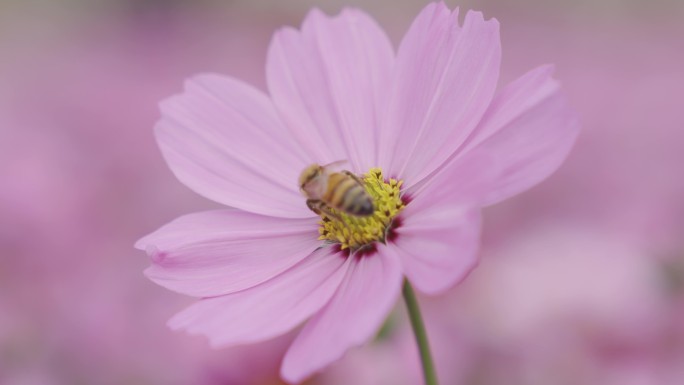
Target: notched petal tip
(157,256)
(316,18)
(436,6)
(473,17)
(352,13)
(344,12)
(146,243)
(437,10)
(140,243)
(432,13)
(543,73)
(284,30)
(167,105)
(194,333)
(282,34)
(315,12)
(179,322)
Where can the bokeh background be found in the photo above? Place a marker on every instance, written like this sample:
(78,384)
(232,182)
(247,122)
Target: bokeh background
(581,279)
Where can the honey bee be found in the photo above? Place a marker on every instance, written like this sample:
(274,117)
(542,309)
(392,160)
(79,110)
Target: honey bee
(342,191)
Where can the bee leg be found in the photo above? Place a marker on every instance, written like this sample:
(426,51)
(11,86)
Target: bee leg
(314,205)
(353,176)
(320,208)
(326,211)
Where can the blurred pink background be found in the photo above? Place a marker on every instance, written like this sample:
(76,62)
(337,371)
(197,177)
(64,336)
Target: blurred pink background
(581,279)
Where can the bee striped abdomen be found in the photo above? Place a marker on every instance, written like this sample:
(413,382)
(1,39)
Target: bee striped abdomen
(348,195)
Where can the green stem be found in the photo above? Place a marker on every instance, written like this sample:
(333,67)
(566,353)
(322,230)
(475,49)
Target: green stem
(421,335)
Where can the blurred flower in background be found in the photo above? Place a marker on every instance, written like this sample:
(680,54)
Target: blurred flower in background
(581,277)
(82,179)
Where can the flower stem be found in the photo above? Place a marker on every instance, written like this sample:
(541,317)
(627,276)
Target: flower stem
(421,335)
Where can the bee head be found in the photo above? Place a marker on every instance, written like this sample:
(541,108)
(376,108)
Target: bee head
(308,177)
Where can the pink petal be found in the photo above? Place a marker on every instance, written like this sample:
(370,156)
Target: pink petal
(270,309)
(526,134)
(223,139)
(464,181)
(444,79)
(438,239)
(352,316)
(328,81)
(220,252)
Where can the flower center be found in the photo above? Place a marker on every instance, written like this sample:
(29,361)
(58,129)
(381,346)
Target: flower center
(354,232)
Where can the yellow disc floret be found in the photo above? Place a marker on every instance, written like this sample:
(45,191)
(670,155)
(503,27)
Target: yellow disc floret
(353,232)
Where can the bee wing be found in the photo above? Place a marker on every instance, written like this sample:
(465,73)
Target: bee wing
(336,165)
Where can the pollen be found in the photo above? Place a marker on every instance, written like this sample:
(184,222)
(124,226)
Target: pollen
(356,233)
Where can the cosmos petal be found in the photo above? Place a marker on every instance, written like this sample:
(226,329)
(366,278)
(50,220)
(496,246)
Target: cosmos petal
(270,309)
(438,239)
(358,309)
(526,134)
(444,78)
(224,139)
(328,82)
(219,252)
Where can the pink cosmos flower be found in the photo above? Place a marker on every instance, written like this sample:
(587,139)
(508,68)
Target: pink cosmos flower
(429,116)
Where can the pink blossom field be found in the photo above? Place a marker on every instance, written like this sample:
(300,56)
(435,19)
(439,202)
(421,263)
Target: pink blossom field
(577,278)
